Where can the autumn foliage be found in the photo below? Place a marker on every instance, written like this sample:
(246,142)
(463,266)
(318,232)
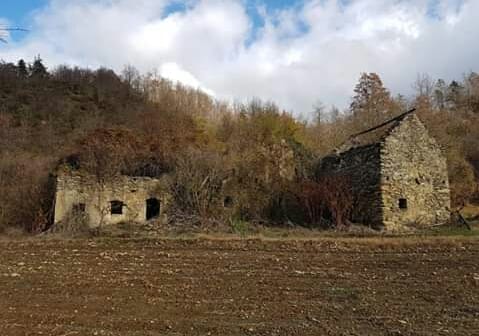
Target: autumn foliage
(249,161)
(327,202)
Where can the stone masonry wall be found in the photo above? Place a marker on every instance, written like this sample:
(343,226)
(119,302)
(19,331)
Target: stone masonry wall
(361,165)
(78,190)
(414,172)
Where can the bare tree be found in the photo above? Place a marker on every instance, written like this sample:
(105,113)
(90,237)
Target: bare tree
(318,112)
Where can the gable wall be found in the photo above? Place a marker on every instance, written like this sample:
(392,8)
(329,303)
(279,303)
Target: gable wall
(413,168)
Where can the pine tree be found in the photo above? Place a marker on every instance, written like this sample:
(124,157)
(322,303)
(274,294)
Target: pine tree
(22,70)
(372,102)
(440,94)
(38,70)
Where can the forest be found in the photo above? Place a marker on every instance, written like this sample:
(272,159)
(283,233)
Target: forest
(259,155)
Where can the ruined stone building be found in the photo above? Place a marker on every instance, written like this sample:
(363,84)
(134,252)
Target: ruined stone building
(120,199)
(397,173)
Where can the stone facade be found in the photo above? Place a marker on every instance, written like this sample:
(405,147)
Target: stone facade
(414,172)
(399,180)
(361,166)
(125,198)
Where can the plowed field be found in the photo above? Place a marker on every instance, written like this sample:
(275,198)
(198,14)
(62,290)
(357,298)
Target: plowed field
(243,287)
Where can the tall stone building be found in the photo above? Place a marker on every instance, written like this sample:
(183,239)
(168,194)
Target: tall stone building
(398,175)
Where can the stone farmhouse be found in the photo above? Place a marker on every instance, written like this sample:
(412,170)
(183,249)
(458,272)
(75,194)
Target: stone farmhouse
(124,198)
(397,173)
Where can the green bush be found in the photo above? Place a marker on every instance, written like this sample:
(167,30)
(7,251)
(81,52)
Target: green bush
(240,227)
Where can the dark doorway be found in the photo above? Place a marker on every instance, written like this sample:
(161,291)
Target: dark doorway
(152,208)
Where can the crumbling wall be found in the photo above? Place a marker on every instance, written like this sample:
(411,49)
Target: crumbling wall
(414,180)
(361,166)
(78,193)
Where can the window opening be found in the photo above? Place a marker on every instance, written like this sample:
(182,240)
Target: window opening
(402,203)
(228,202)
(116,207)
(79,208)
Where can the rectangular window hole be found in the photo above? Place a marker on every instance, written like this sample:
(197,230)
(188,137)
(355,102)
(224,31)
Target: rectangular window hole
(79,208)
(228,202)
(402,203)
(116,207)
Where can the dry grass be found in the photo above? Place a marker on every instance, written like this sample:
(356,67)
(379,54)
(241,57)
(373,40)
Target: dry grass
(471,211)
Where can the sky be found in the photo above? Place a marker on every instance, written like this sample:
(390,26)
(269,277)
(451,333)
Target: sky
(293,52)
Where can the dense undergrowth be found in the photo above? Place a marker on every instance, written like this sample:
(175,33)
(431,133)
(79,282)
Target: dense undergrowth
(235,163)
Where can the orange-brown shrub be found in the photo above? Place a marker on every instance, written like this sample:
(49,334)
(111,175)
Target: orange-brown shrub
(327,202)
(26,197)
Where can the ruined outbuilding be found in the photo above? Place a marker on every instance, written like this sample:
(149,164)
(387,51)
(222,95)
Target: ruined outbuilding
(398,175)
(119,199)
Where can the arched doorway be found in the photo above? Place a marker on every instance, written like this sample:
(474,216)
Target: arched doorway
(152,208)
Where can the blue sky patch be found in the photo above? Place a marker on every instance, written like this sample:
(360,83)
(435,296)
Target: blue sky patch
(17,11)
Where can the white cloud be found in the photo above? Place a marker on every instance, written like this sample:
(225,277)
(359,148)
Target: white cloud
(175,73)
(4,34)
(301,54)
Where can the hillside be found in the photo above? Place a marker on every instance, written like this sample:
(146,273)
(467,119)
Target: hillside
(122,123)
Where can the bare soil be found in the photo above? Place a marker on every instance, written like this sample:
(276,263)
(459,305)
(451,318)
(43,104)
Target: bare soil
(240,287)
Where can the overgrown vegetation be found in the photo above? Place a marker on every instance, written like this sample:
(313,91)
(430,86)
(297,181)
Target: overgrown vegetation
(238,164)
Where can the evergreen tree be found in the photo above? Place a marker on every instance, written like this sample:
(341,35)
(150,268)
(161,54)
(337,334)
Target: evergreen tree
(38,70)
(455,95)
(440,94)
(372,103)
(22,70)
